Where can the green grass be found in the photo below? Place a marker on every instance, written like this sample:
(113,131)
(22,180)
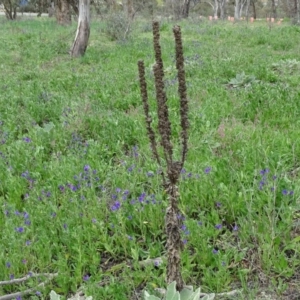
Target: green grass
(73,143)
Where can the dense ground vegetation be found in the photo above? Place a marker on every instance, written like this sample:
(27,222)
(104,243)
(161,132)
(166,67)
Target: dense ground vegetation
(80,194)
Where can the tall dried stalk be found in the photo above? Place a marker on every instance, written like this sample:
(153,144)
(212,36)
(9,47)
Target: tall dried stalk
(174,243)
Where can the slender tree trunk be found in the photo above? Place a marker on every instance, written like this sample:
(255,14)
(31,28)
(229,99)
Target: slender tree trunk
(130,10)
(216,8)
(63,12)
(237,8)
(83,29)
(10,9)
(242,5)
(177,9)
(185,8)
(253,9)
(296,11)
(247,9)
(274,12)
(222,9)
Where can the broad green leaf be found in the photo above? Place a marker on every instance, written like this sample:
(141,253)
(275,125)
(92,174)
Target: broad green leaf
(54,296)
(147,296)
(171,290)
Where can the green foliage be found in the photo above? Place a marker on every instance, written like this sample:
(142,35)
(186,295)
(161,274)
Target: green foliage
(242,81)
(288,66)
(77,174)
(118,26)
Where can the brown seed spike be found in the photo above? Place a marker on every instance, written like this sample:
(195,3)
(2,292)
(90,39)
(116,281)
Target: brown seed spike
(144,94)
(181,91)
(164,124)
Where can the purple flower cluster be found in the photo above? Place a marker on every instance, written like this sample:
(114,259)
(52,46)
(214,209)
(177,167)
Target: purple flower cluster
(27,139)
(188,175)
(78,145)
(86,179)
(3,137)
(266,182)
(24,216)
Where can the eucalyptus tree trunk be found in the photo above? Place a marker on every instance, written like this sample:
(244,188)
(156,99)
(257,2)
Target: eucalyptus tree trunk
(83,29)
(222,9)
(216,8)
(242,6)
(297,11)
(237,8)
(63,12)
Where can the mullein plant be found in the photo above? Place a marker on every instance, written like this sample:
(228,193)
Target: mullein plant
(172,168)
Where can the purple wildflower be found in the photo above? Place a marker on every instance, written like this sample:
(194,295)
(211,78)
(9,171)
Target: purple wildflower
(264,171)
(150,174)
(207,170)
(25,174)
(86,277)
(142,197)
(27,222)
(19,229)
(215,251)
(218,226)
(61,188)
(130,169)
(8,264)
(156,263)
(86,168)
(26,139)
(116,206)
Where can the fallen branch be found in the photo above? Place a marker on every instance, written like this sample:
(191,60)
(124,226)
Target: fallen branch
(49,276)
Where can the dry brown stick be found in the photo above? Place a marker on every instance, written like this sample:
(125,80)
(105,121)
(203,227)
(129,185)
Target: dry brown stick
(28,291)
(144,94)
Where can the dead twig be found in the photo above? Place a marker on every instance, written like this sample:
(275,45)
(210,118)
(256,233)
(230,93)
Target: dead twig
(49,276)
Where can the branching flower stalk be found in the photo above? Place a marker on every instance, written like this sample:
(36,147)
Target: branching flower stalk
(174,243)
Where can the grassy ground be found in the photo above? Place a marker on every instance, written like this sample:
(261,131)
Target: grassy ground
(80,194)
